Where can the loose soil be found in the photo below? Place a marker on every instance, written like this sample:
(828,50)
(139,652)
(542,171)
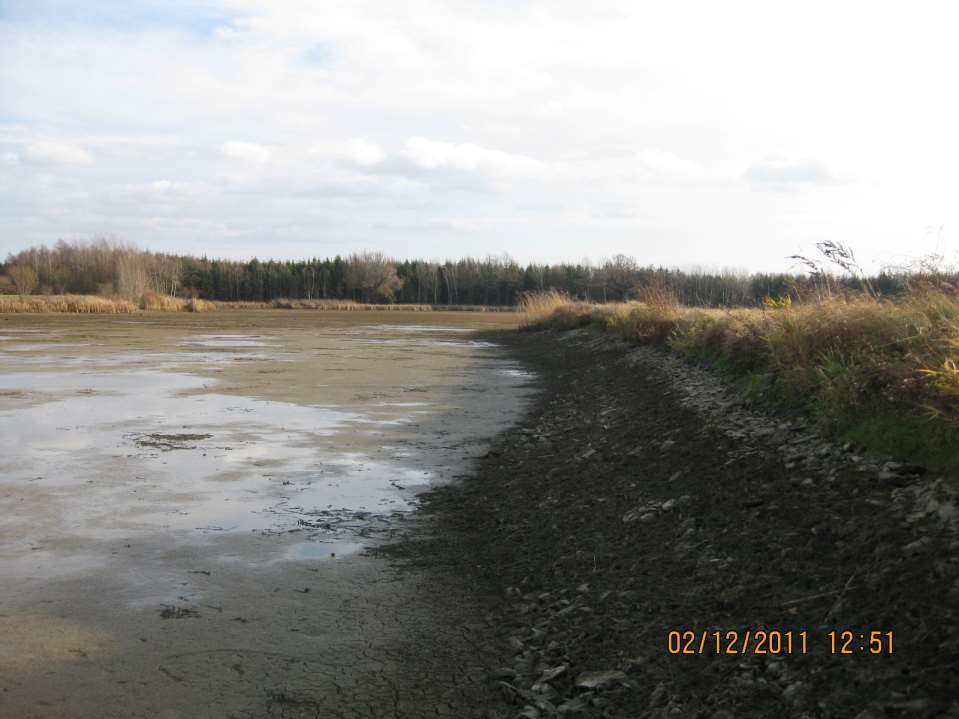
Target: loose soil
(640,496)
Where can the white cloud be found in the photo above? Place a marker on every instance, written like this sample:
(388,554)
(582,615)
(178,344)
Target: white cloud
(247,152)
(362,152)
(58,152)
(165,189)
(466,157)
(655,164)
(355,151)
(784,174)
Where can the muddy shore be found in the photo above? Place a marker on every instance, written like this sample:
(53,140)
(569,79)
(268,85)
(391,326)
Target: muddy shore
(636,496)
(639,496)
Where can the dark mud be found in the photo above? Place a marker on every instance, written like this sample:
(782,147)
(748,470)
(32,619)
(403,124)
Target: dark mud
(640,497)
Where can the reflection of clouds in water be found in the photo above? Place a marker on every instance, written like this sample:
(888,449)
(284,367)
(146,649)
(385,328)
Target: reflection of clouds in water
(161,360)
(381,329)
(518,373)
(226,341)
(69,441)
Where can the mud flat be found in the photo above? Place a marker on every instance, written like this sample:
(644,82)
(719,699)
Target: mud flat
(184,501)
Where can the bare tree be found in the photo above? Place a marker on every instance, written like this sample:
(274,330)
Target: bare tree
(131,273)
(373,276)
(24,278)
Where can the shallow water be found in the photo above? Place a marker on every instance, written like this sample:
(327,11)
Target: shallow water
(143,433)
(184,500)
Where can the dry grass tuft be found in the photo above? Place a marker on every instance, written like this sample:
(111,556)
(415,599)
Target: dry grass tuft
(81,304)
(154,302)
(540,307)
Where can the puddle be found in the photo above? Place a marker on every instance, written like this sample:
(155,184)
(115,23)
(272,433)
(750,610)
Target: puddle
(381,329)
(518,373)
(225,341)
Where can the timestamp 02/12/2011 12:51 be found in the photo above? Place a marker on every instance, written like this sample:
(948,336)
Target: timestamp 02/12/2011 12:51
(717,642)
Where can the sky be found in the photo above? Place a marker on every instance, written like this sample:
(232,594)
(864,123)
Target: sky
(690,134)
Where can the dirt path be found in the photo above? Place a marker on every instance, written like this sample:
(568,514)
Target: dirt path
(639,497)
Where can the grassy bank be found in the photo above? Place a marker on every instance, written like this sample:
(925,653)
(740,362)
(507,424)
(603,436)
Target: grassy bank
(153,302)
(880,373)
(335,305)
(80,304)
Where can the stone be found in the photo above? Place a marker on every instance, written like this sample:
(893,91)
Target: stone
(600,679)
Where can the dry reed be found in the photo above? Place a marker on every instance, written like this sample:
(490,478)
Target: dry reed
(80,304)
(153,302)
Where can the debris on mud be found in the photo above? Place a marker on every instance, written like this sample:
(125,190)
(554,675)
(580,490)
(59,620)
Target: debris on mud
(331,525)
(171,611)
(168,442)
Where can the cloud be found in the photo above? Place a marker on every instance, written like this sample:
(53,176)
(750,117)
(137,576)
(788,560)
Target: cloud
(355,151)
(782,174)
(165,189)
(429,154)
(247,152)
(58,152)
(430,225)
(662,165)
(362,153)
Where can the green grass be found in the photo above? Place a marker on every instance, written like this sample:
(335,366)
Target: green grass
(905,438)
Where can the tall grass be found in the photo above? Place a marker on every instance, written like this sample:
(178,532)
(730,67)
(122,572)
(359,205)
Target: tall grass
(153,302)
(885,373)
(352,306)
(81,304)
(537,308)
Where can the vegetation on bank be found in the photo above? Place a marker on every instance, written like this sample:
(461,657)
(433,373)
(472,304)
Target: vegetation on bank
(106,267)
(80,304)
(881,373)
(285,303)
(153,302)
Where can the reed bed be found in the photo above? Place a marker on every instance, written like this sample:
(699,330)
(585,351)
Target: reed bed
(335,305)
(80,304)
(153,302)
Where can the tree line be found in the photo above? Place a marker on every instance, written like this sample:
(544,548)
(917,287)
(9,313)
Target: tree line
(108,267)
